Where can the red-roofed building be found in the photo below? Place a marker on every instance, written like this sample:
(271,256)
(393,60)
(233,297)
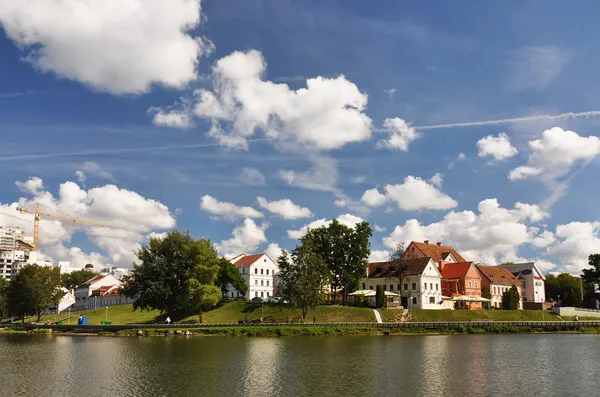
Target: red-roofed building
(460,280)
(260,272)
(100,291)
(497,280)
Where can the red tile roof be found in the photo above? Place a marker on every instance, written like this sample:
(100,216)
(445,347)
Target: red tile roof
(498,274)
(247,260)
(390,269)
(438,252)
(456,270)
(94,279)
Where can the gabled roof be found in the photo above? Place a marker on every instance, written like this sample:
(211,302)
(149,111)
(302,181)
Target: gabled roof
(517,269)
(390,269)
(437,252)
(497,274)
(94,279)
(456,270)
(245,260)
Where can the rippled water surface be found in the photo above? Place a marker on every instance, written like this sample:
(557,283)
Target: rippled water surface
(470,365)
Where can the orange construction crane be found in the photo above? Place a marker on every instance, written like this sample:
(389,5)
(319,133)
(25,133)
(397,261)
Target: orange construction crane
(36,221)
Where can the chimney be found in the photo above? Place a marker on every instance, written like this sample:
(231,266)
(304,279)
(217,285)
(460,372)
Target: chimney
(439,243)
(441,265)
(426,241)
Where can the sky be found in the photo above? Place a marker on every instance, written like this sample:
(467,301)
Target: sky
(470,123)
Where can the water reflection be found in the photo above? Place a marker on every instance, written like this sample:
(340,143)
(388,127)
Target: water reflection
(261,367)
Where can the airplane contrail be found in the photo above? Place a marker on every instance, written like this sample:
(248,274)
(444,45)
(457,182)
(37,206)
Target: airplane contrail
(34,156)
(509,121)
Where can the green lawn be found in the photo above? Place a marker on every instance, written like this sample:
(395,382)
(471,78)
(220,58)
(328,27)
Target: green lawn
(468,315)
(232,312)
(120,314)
(391,315)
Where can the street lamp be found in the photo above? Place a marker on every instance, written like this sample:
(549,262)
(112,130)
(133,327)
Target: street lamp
(106,319)
(69,318)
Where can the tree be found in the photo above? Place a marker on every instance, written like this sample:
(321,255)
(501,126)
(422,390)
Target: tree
(345,251)
(379,297)
(74,279)
(511,298)
(33,289)
(400,267)
(303,276)
(3,297)
(485,293)
(228,274)
(566,286)
(592,274)
(174,275)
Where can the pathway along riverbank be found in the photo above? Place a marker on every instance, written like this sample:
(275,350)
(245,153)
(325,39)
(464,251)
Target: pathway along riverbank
(451,327)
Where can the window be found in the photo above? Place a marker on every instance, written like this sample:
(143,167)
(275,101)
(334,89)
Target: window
(267,294)
(262,283)
(255,294)
(267,283)
(425,286)
(370,287)
(431,300)
(255,282)
(255,271)
(267,272)
(405,287)
(261,271)
(469,284)
(399,287)
(384,287)
(414,300)
(431,286)
(436,286)
(391,287)
(475,284)
(414,286)
(232,294)
(262,294)
(364,286)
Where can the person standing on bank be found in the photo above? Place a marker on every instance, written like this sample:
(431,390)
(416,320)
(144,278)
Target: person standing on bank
(168,320)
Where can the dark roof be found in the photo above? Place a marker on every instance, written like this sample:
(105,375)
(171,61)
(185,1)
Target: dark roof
(390,269)
(247,260)
(456,270)
(498,274)
(438,252)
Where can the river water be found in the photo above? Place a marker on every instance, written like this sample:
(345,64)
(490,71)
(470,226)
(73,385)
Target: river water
(467,365)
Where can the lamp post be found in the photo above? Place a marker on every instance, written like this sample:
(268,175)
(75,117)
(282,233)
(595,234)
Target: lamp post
(106,318)
(69,318)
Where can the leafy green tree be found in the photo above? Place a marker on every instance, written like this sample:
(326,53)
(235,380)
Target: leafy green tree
(303,276)
(485,293)
(379,297)
(33,289)
(592,274)
(510,299)
(229,274)
(345,251)
(566,286)
(400,266)
(174,275)
(74,279)
(3,297)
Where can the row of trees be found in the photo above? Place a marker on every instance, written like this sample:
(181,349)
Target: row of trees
(179,275)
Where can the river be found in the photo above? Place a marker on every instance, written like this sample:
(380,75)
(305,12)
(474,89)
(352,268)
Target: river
(469,365)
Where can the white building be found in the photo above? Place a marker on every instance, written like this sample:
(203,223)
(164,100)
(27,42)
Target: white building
(258,272)
(420,287)
(67,301)
(10,236)
(533,281)
(118,272)
(100,291)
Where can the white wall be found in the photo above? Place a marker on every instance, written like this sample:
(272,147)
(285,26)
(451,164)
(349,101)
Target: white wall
(421,292)
(259,277)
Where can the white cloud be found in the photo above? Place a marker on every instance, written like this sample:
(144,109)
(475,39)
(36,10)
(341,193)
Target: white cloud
(119,46)
(127,217)
(246,239)
(373,198)
(536,66)
(157,235)
(575,242)
(172,118)
(493,233)
(32,186)
(359,179)
(345,219)
(94,169)
(253,177)
(274,251)
(461,156)
(414,194)
(379,228)
(285,208)
(524,172)
(498,147)
(340,203)
(325,115)
(390,93)
(401,135)
(228,211)
(379,255)
(436,180)
(545,239)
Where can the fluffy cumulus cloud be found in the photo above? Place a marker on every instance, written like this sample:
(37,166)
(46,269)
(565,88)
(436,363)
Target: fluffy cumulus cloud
(401,135)
(226,210)
(498,147)
(274,251)
(172,118)
(556,153)
(492,234)
(246,238)
(119,46)
(412,195)
(379,255)
(126,219)
(285,208)
(345,219)
(327,114)
(575,241)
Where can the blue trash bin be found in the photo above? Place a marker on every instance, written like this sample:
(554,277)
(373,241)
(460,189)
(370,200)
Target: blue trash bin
(80,321)
(84,320)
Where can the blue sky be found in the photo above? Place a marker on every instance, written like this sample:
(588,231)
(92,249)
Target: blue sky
(81,104)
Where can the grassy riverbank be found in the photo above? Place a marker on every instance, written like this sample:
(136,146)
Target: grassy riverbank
(474,315)
(228,313)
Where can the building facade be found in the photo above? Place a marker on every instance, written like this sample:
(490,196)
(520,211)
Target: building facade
(462,282)
(496,281)
(532,278)
(100,291)
(420,286)
(259,271)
